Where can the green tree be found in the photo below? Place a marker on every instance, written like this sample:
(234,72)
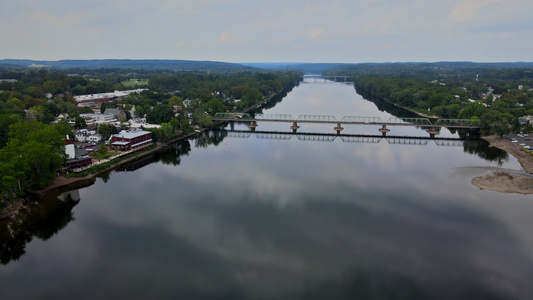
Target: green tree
(105,130)
(102,149)
(7,120)
(160,114)
(30,159)
(79,122)
(202,119)
(214,105)
(175,100)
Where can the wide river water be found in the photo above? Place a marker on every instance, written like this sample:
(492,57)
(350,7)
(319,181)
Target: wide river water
(232,215)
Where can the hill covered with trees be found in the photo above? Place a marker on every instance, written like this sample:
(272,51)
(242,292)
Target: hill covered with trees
(146,64)
(497,94)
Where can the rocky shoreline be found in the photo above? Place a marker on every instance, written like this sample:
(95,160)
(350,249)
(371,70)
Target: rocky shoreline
(504,182)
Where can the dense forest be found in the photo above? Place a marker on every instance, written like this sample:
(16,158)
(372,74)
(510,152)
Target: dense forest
(146,64)
(32,140)
(497,94)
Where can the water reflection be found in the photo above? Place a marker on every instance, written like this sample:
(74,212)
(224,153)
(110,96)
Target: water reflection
(42,219)
(173,154)
(251,218)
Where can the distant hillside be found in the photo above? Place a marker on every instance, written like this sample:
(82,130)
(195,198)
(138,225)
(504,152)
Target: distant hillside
(425,68)
(152,64)
(317,68)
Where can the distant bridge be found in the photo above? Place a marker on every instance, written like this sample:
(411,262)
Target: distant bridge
(316,78)
(432,127)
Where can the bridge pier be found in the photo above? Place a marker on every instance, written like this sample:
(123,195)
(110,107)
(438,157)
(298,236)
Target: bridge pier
(294,127)
(253,125)
(384,130)
(338,128)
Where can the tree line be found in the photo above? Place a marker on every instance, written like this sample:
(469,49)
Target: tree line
(496,94)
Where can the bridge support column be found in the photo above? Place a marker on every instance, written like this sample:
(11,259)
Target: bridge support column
(338,128)
(294,127)
(384,130)
(432,132)
(253,125)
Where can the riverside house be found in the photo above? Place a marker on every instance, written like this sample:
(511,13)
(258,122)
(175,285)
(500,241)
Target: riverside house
(126,140)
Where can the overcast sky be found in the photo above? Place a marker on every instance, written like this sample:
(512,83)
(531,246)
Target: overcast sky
(344,31)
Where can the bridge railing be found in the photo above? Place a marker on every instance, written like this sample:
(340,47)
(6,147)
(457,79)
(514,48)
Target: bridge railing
(236,116)
(317,118)
(274,117)
(458,122)
(417,121)
(360,119)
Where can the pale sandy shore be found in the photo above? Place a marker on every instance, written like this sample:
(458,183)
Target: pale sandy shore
(505,182)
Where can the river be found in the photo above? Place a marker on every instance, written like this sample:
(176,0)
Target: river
(232,215)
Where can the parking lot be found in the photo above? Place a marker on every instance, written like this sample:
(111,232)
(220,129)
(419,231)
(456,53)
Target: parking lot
(521,140)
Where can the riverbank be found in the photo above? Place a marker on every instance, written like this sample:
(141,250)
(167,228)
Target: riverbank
(64,183)
(67,183)
(504,182)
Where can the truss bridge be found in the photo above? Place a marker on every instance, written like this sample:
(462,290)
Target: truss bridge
(432,127)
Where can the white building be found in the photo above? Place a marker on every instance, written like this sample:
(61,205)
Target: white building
(95,100)
(87,136)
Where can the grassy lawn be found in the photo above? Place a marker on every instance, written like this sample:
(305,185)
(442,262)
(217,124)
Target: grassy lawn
(103,156)
(133,82)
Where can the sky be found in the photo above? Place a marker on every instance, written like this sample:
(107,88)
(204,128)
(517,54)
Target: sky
(332,31)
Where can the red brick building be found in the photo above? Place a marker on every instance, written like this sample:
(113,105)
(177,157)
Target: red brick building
(126,140)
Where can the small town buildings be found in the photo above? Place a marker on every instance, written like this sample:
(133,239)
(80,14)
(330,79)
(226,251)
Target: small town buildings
(119,114)
(126,140)
(140,123)
(95,100)
(526,120)
(87,136)
(96,119)
(75,158)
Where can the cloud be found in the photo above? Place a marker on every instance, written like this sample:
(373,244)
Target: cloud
(238,30)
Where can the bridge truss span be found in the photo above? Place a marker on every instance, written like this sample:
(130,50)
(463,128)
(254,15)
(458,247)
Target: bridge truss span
(232,116)
(431,127)
(316,118)
(273,117)
(458,122)
(361,119)
(409,121)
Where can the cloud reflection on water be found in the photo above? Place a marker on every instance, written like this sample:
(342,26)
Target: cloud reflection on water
(255,219)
